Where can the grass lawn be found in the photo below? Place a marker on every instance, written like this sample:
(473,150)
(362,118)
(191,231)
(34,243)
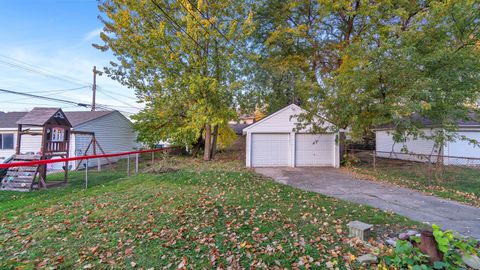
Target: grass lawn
(195,215)
(458,183)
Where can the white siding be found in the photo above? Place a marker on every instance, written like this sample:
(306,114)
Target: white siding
(5,153)
(285,121)
(113,132)
(463,148)
(29,143)
(384,143)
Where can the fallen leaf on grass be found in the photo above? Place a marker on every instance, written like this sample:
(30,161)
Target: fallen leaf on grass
(128,251)
(183,263)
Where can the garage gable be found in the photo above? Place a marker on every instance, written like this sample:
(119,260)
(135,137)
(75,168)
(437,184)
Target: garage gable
(284,120)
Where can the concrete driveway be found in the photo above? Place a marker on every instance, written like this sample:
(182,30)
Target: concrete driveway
(406,202)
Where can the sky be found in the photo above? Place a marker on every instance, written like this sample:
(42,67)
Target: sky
(53,40)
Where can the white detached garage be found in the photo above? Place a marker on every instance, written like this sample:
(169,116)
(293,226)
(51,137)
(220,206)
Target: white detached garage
(273,142)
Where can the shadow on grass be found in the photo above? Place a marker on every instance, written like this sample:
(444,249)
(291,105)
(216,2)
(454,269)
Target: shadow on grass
(11,200)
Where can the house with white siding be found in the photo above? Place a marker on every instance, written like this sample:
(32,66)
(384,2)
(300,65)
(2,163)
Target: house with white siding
(462,151)
(113,132)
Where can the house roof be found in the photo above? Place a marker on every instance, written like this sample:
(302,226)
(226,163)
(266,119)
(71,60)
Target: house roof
(238,128)
(81,117)
(38,116)
(470,121)
(9,120)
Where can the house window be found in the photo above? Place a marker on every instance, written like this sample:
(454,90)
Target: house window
(6,141)
(58,134)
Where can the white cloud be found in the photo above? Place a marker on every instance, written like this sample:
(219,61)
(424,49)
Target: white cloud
(92,34)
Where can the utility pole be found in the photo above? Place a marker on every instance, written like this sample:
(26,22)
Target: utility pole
(94,87)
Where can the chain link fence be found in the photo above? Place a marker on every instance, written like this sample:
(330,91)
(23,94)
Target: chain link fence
(430,166)
(28,171)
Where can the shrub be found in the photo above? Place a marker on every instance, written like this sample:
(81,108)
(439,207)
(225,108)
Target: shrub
(406,255)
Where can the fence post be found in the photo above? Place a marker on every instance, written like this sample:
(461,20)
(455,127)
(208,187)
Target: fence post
(128,165)
(86,173)
(136,163)
(153,159)
(374,160)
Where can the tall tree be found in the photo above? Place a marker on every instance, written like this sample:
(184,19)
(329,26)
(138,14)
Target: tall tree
(181,57)
(360,63)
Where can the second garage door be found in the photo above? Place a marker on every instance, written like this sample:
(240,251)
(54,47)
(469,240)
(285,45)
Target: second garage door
(270,149)
(314,150)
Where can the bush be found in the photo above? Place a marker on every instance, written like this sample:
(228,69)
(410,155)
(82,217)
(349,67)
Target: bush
(407,255)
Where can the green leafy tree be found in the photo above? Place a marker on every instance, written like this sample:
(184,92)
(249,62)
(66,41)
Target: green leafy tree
(420,61)
(181,57)
(360,64)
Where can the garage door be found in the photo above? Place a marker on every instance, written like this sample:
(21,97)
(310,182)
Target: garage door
(269,149)
(314,150)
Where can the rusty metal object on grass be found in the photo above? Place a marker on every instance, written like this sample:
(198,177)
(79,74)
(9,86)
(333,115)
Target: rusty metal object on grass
(428,245)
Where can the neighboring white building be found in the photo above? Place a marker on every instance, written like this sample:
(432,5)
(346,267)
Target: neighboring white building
(113,131)
(273,142)
(418,149)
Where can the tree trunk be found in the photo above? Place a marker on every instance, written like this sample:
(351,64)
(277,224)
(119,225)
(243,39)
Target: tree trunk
(197,145)
(208,143)
(196,149)
(214,142)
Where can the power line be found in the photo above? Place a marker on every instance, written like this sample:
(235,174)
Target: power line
(178,26)
(57,90)
(105,108)
(193,15)
(218,30)
(101,90)
(50,92)
(43,70)
(119,100)
(45,98)
(15,63)
(205,17)
(79,104)
(115,93)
